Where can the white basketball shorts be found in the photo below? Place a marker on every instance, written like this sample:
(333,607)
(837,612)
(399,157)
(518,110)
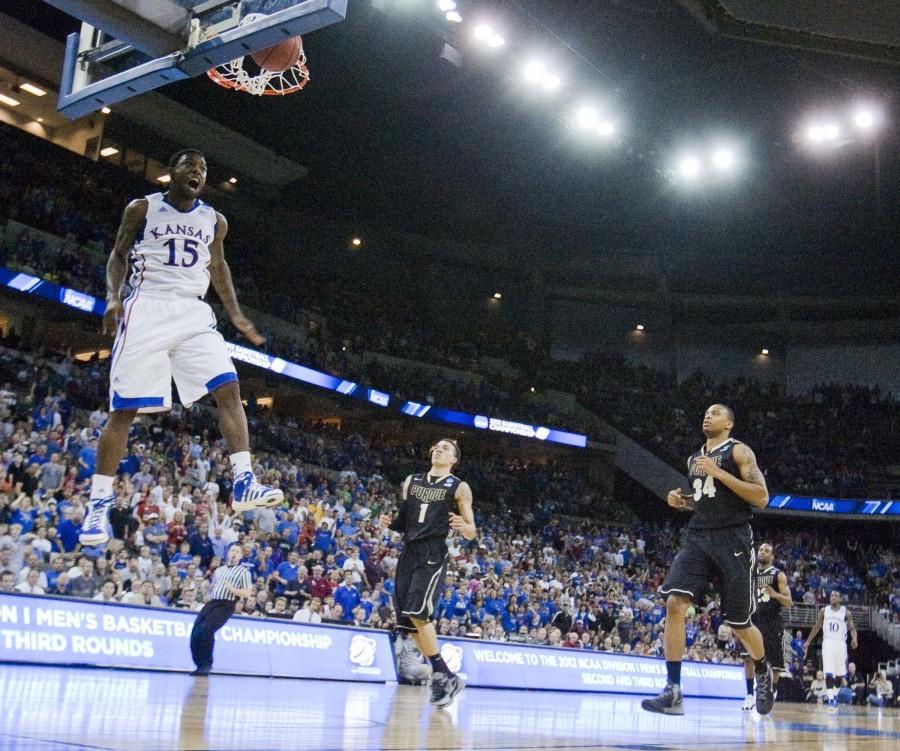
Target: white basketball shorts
(834,658)
(164,336)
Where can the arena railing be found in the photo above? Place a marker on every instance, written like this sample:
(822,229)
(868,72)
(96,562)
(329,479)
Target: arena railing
(805,616)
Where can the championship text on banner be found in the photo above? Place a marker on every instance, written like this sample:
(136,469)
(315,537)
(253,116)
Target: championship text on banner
(63,631)
(494,664)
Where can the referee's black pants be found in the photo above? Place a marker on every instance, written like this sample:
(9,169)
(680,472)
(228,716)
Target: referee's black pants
(203,636)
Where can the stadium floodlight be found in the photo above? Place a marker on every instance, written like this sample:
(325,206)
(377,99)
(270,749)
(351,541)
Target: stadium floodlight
(446,5)
(639,327)
(723,159)
(866,119)
(534,71)
(498,296)
(356,242)
(823,132)
(689,167)
(587,117)
(606,128)
(484,33)
(453,17)
(105,110)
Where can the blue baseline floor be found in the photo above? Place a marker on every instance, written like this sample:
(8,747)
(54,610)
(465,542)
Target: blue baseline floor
(69,709)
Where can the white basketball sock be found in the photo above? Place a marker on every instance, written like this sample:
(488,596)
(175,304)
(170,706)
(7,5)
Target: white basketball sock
(240,463)
(101,486)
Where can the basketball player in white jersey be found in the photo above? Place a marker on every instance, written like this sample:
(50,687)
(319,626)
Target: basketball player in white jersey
(173,243)
(834,623)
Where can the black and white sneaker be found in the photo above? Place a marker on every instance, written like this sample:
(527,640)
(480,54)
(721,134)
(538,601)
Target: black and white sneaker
(669,701)
(765,692)
(444,688)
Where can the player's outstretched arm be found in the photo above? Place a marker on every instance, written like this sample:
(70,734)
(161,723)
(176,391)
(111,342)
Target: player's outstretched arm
(220,276)
(464,522)
(750,486)
(135,213)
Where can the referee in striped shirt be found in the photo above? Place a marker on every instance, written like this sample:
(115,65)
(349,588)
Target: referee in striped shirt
(229,582)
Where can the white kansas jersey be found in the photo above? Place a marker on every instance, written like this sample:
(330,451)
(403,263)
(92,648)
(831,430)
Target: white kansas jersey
(171,249)
(834,628)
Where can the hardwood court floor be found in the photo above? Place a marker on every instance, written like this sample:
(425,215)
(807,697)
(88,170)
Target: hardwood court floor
(68,709)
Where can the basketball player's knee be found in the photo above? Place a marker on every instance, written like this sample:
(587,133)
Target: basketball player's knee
(121,419)
(228,394)
(677,604)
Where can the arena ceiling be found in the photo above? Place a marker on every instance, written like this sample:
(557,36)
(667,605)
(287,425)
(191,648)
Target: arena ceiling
(394,134)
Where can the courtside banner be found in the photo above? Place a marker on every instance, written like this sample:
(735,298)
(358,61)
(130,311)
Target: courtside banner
(64,631)
(497,665)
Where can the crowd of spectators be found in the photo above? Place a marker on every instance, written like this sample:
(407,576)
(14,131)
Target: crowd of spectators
(536,574)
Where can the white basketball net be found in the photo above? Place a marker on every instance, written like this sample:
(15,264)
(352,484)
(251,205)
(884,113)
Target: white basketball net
(232,75)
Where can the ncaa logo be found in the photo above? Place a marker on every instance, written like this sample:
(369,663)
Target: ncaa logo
(362,650)
(453,656)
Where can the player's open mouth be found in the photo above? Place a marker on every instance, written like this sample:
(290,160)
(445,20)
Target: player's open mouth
(194,183)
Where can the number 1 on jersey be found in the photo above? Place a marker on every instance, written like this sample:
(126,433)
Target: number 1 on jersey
(423,509)
(707,488)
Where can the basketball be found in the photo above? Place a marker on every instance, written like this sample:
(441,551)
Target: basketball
(279,57)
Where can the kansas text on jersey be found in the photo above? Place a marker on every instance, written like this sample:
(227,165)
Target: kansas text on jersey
(424,513)
(171,249)
(716,505)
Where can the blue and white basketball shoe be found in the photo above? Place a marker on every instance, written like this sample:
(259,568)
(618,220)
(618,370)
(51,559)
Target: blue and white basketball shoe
(95,527)
(247,494)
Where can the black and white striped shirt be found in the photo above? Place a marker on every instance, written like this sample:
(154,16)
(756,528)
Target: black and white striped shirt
(237,576)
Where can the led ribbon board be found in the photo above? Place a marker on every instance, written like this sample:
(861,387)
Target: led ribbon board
(495,424)
(835,506)
(68,631)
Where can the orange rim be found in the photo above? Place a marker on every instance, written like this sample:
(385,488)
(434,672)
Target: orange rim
(218,78)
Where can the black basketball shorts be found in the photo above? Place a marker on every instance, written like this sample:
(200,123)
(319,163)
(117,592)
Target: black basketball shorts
(775,642)
(420,574)
(725,557)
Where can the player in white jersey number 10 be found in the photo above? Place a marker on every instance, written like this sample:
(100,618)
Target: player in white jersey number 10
(835,621)
(173,243)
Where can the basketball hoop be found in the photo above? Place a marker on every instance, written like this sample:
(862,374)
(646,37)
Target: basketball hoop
(233,75)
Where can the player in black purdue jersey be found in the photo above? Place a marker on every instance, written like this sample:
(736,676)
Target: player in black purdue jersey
(718,546)
(772,594)
(426,515)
